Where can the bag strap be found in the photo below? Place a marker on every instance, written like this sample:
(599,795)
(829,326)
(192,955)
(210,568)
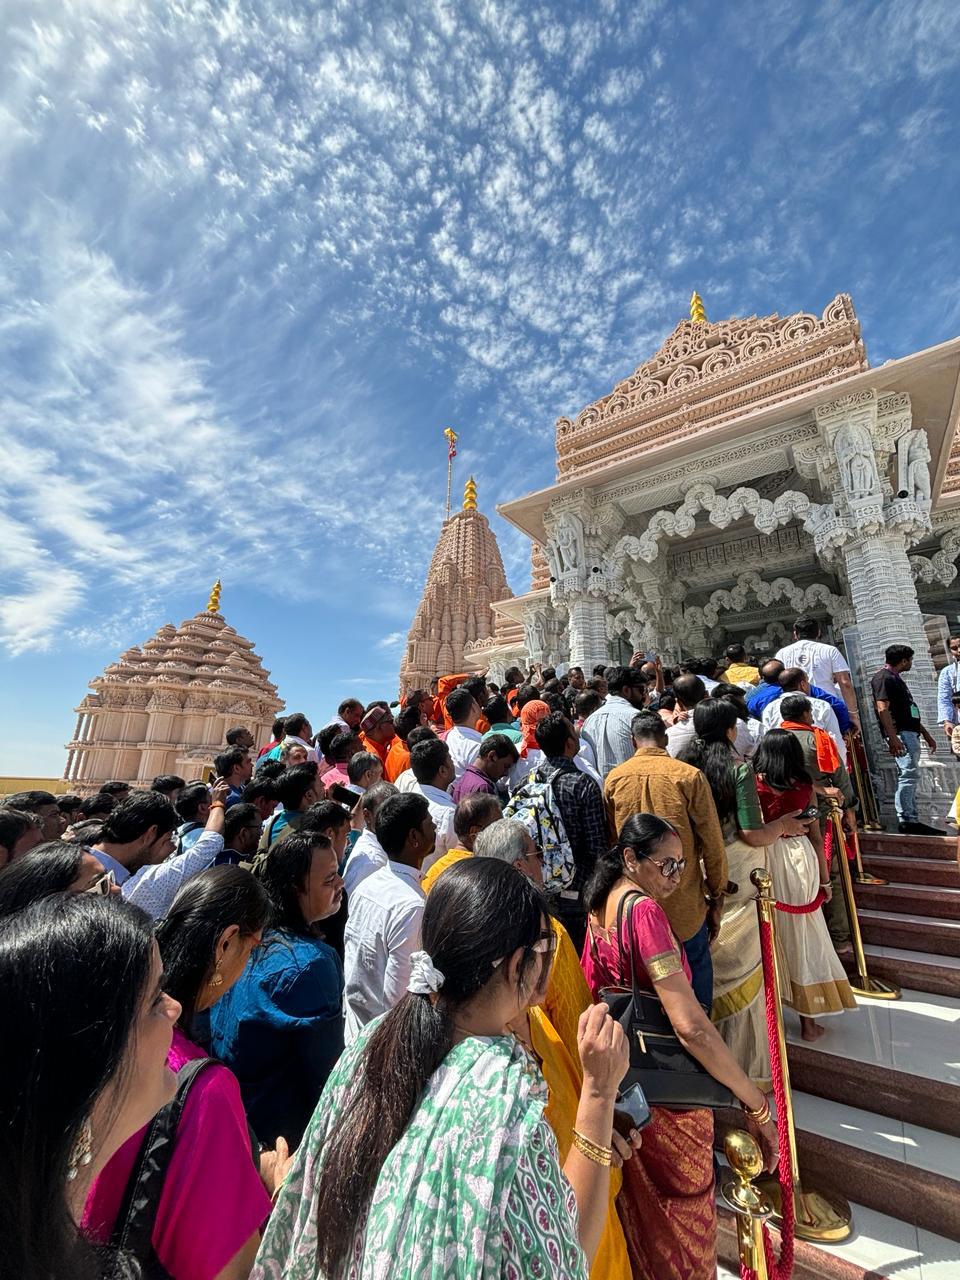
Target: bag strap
(624,921)
(133,1229)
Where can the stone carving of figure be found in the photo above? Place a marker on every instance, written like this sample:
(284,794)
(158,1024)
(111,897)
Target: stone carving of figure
(858,469)
(538,632)
(568,545)
(913,466)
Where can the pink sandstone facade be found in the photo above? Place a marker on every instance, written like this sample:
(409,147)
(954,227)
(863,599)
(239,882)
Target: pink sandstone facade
(166,707)
(465,577)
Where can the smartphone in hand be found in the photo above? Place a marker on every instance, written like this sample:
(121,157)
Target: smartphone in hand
(631,1111)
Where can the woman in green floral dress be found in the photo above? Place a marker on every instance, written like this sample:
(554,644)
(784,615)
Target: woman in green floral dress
(428,1156)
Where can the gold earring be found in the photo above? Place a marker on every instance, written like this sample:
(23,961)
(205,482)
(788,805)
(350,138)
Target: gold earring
(81,1153)
(217,979)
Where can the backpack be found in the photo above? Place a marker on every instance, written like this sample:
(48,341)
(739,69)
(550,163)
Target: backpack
(133,1230)
(534,804)
(186,829)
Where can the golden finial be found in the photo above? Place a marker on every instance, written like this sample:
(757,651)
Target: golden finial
(697,313)
(213,604)
(470,495)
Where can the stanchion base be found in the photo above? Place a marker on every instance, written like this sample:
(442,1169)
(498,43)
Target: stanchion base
(872,826)
(874,988)
(819,1215)
(868,879)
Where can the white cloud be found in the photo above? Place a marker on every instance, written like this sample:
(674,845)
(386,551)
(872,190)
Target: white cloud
(393,641)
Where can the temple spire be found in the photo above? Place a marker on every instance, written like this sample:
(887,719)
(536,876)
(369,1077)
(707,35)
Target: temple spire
(697,313)
(470,495)
(213,604)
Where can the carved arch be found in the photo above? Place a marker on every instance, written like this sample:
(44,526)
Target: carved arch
(751,584)
(941,567)
(721,511)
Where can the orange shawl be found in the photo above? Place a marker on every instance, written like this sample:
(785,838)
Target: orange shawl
(827,755)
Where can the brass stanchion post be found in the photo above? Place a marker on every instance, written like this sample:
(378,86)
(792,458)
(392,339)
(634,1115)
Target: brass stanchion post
(863,985)
(751,1206)
(869,809)
(818,1216)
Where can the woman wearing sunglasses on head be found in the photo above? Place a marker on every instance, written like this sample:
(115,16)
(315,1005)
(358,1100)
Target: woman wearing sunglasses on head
(667,1205)
(429,1145)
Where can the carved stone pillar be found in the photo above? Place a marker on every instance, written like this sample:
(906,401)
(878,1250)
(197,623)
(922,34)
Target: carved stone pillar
(887,611)
(588,633)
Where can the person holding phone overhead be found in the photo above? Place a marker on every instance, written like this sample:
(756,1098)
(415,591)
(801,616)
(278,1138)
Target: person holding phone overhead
(667,1206)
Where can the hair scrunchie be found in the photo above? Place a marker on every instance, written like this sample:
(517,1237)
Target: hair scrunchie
(425,978)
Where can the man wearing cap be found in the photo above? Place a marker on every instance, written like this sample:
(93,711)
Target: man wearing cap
(377,731)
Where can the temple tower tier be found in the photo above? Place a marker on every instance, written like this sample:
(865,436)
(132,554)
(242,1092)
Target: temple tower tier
(166,707)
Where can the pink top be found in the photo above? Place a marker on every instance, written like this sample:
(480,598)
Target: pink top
(336,774)
(213,1200)
(651,940)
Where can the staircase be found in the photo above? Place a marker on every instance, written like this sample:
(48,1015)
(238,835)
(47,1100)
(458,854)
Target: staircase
(877,1099)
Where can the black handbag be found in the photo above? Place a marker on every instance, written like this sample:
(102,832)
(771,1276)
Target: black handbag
(668,1075)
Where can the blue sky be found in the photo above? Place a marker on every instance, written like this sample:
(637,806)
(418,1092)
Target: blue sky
(254,256)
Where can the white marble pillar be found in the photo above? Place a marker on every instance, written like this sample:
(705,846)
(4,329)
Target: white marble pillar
(587,630)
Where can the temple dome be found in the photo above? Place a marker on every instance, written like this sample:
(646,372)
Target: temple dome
(465,577)
(150,710)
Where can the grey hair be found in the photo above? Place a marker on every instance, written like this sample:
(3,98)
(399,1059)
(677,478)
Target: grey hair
(503,839)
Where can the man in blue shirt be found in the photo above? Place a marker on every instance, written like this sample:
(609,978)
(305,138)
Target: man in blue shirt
(235,767)
(769,688)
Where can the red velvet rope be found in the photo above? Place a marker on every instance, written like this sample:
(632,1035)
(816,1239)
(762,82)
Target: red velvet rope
(777,1268)
(820,899)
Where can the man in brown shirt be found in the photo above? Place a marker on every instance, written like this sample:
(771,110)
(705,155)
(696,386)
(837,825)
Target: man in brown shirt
(653,782)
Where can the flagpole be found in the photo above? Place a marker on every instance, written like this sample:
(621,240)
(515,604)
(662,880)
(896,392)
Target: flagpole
(451,438)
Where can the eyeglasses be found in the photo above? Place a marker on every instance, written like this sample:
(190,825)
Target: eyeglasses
(669,866)
(103,885)
(537,853)
(546,945)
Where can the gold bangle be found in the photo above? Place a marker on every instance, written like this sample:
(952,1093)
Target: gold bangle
(592,1151)
(762,1114)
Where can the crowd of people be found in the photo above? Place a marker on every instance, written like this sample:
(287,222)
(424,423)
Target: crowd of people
(347,1005)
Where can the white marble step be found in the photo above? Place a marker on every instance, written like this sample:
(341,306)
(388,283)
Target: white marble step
(888,1247)
(918,1034)
(911,957)
(867,1131)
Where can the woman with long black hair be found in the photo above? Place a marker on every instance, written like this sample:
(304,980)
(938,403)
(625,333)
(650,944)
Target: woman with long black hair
(202,1218)
(667,1206)
(429,1146)
(815,981)
(738,1005)
(87,1027)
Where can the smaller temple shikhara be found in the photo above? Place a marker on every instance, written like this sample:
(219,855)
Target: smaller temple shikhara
(465,577)
(166,707)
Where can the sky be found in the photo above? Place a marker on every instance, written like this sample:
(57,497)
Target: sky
(255,255)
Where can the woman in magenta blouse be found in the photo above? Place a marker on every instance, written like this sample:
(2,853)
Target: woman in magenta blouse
(212,1203)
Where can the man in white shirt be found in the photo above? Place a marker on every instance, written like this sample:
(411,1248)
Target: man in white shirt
(607,730)
(383,926)
(464,738)
(794,680)
(137,841)
(433,770)
(367,856)
(824,664)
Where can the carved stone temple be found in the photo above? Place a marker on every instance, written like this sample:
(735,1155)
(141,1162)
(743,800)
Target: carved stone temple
(465,577)
(749,471)
(166,707)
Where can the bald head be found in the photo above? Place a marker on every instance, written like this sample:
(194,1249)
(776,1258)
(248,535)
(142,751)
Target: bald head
(771,670)
(474,814)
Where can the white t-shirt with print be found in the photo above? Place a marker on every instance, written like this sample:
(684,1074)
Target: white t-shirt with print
(820,661)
